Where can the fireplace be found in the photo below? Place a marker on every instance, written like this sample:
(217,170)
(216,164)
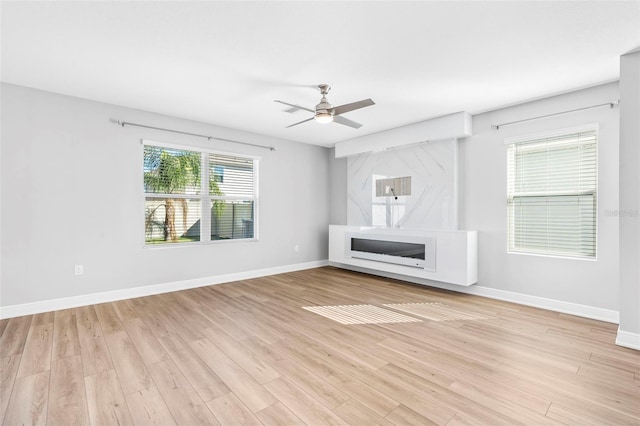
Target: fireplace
(415,251)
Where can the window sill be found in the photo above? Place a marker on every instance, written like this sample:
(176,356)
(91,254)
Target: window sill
(198,243)
(553,256)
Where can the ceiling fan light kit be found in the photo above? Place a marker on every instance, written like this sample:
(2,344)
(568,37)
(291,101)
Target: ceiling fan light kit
(323,117)
(325,113)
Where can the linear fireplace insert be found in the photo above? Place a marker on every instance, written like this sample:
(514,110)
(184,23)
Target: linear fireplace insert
(405,250)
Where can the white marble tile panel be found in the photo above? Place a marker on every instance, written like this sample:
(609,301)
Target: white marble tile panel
(431,205)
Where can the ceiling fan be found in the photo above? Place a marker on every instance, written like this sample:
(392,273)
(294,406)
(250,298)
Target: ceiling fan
(325,113)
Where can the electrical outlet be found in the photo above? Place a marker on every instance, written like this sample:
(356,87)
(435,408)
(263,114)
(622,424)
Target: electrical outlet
(296,248)
(79,269)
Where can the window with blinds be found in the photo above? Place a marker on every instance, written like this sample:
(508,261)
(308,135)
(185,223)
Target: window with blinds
(552,194)
(198,195)
(232,191)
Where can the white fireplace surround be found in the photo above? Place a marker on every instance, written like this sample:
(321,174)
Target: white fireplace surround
(454,258)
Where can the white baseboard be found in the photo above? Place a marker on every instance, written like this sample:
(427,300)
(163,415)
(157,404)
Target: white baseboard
(624,338)
(148,290)
(628,339)
(585,311)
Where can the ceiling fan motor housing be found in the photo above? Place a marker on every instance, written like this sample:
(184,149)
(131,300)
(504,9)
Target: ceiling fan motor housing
(324,106)
(324,110)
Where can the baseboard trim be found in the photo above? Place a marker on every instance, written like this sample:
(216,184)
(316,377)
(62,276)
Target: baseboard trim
(628,339)
(585,311)
(148,290)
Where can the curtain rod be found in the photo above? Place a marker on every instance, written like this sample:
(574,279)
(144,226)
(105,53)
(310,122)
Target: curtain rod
(609,104)
(126,123)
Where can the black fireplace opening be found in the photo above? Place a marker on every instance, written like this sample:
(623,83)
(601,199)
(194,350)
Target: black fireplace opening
(390,248)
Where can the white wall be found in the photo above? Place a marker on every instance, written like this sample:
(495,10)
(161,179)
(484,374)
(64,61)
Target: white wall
(630,199)
(483,199)
(72,194)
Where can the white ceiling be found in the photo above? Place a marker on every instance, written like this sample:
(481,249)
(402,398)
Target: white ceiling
(225,63)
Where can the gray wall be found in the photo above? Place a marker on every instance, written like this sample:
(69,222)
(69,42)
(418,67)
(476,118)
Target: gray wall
(72,194)
(482,203)
(585,282)
(337,189)
(69,196)
(630,193)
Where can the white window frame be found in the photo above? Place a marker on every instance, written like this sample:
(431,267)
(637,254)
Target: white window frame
(530,138)
(206,199)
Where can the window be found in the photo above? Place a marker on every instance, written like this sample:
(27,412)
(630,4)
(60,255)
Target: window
(198,195)
(232,193)
(218,174)
(552,194)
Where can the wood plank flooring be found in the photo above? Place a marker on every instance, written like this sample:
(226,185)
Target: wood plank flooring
(248,353)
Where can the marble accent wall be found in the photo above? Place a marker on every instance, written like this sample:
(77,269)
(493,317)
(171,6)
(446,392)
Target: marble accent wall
(432,203)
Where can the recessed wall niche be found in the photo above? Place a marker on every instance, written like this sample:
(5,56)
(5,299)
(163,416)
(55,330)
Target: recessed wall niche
(393,187)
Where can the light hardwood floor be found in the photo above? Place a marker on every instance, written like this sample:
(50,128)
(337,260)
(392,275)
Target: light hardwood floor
(247,353)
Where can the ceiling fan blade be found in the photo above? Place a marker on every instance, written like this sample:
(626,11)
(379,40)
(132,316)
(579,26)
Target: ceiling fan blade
(346,122)
(300,122)
(296,107)
(352,106)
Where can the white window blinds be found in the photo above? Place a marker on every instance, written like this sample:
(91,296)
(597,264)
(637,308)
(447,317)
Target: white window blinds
(552,195)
